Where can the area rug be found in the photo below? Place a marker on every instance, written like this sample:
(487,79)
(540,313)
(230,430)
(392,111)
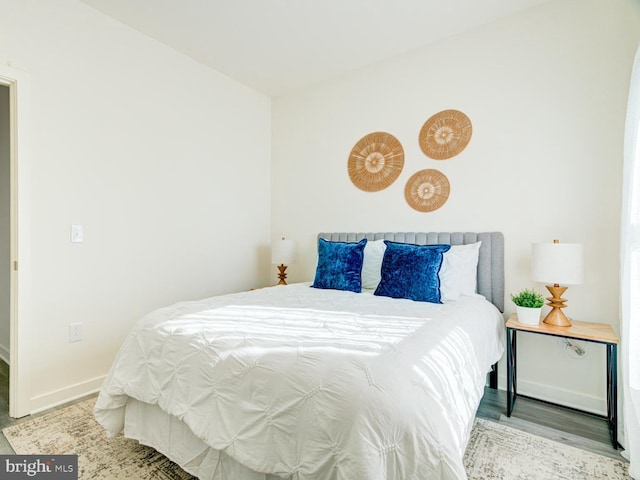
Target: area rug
(494,452)
(73,430)
(501,452)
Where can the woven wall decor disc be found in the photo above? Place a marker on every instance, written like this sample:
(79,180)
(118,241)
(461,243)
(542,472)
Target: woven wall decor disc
(445,134)
(375,161)
(427,190)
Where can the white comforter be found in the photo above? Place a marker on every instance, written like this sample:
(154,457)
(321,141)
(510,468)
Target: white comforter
(315,384)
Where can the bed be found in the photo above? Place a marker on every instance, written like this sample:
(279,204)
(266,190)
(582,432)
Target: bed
(307,381)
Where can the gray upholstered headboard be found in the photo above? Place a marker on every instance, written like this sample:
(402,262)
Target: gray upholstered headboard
(490,262)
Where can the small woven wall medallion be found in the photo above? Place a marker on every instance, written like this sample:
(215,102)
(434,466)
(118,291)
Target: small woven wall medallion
(445,134)
(427,190)
(376,161)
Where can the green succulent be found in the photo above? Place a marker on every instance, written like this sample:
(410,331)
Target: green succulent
(528,298)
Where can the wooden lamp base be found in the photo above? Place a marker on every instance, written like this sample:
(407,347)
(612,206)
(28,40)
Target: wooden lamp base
(282,275)
(556,316)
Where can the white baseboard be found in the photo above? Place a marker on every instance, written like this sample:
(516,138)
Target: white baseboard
(557,395)
(4,354)
(64,395)
(547,393)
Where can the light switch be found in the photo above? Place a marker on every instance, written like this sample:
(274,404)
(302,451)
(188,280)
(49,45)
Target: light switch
(76,233)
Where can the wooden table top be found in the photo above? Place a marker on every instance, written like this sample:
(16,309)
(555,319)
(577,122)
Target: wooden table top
(600,332)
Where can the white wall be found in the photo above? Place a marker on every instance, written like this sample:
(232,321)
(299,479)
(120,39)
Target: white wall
(160,158)
(5,260)
(546,92)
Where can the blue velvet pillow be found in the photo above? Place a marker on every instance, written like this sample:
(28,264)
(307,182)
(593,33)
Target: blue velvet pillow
(340,265)
(411,271)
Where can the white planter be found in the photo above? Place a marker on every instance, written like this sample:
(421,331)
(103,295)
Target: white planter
(528,316)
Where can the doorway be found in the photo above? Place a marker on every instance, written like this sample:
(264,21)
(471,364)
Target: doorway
(16,83)
(5,247)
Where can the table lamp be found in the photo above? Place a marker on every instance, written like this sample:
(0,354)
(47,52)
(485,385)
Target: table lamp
(558,264)
(283,253)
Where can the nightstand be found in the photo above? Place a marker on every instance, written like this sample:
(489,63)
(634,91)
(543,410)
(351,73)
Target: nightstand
(586,331)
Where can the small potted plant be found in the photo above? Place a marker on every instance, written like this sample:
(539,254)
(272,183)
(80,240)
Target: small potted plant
(528,306)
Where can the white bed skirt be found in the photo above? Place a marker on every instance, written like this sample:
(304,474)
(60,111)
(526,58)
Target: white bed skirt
(149,425)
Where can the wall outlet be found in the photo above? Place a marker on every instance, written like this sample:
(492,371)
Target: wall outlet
(574,348)
(75,332)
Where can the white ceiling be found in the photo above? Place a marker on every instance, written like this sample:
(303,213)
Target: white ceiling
(279,46)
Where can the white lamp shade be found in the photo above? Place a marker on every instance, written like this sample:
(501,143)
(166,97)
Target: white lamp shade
(561,263)
(283,252)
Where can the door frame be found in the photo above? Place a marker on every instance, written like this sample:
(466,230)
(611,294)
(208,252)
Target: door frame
(20,312)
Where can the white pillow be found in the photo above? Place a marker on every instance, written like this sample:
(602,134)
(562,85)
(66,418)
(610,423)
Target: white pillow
(459,271)
(372,263)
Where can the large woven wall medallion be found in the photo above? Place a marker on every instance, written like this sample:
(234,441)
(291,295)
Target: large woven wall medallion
(445,134)
(375,161)
(427,190)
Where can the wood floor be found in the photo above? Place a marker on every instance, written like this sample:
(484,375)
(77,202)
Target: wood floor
(4,386)
(562,425)
(5,420)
